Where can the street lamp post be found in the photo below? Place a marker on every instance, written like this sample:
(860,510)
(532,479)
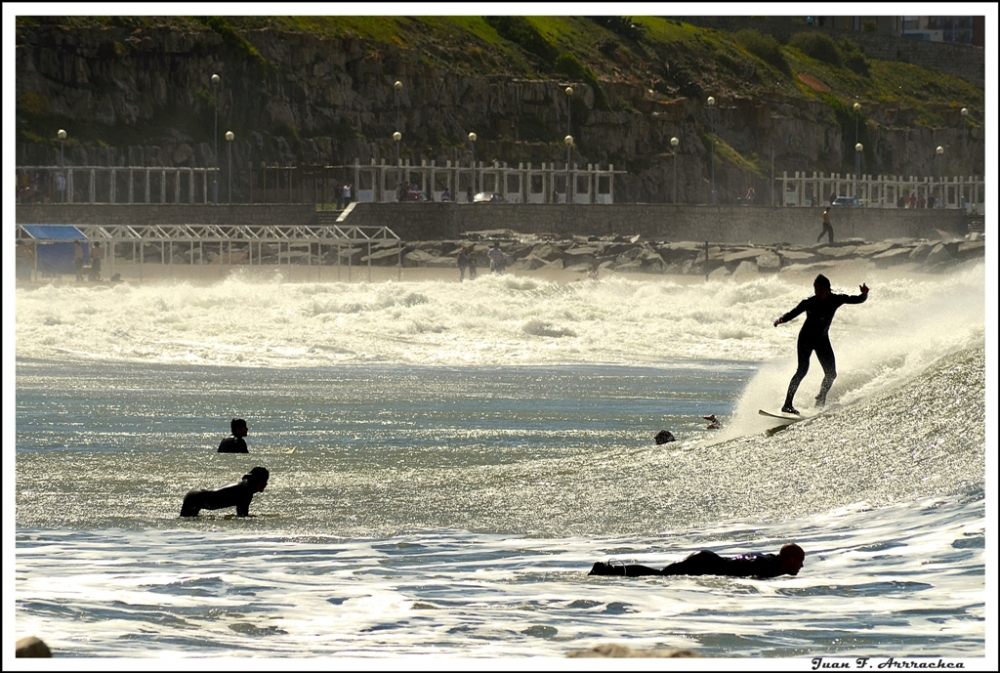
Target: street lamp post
(569,134)
(674,142)
(61,134)
(940,154)
(857,154)
(229,141)
(397,136)
(569,178)
(215,137)
(711,120)
(397,86)
(965,147)
(858,149)
(472,143)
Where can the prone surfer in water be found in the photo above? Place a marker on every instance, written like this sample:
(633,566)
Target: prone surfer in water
(788,561)
(815,336)
(236,495)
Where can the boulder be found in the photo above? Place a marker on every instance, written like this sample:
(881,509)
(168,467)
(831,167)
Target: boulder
(768,261)
(32,647)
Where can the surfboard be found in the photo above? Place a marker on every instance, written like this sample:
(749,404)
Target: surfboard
(788,418)
(230,517)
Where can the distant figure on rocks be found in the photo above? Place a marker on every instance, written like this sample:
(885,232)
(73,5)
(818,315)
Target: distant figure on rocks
(470,255)
(714,423)
(788,561)
(237,495)
(469,195)
(235,443)
(95,261)
(446,195)
(497,261)
(827,227)
(664,436)
(78,260)
(815,336)
(463,262)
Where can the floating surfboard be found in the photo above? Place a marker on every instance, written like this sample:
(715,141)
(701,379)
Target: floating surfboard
(789,418)
(230,517)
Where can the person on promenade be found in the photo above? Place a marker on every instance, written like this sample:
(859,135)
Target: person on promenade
(346,195)
(815,336)
(827,227)
(788,561)
(751,195)
(235,443)
(78,260)
(95,261)
(238,495)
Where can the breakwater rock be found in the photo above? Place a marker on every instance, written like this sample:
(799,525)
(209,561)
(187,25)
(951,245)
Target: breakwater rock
(635,255)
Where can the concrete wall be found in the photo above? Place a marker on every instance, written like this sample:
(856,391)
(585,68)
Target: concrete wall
(430,221)
(170,213)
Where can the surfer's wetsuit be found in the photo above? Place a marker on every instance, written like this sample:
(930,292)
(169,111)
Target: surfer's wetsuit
(815,336)
(233,445)
(236,495)
(702,563)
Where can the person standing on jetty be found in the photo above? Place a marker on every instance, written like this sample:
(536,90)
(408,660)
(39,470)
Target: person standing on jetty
(235,443)
(238,495)
(471,257)
(827,227)
(95,261)
(497,261)
(463,262)
(78,260)
(788,561)
(815,336)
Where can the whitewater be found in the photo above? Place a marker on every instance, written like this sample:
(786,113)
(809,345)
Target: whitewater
(448,460)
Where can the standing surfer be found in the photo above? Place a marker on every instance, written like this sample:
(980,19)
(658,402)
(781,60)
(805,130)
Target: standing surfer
(815,336)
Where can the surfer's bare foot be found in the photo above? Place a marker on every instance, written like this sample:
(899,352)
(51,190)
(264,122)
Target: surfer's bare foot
(789,409)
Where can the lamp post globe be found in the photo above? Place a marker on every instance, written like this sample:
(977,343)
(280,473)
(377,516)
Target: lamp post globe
(674,142)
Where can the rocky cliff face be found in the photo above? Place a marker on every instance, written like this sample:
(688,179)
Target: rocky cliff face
(145,97)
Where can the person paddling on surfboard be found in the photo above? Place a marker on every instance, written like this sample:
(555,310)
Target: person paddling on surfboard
(815,336)
(237,495)
(788,561)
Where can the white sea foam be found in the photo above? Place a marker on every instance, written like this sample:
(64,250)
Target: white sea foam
(495,321)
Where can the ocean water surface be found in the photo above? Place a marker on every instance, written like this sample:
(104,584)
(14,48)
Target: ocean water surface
(447,462)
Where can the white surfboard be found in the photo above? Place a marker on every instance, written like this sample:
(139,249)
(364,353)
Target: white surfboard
(788,418)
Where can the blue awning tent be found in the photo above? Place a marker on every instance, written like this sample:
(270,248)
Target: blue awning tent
(55,246)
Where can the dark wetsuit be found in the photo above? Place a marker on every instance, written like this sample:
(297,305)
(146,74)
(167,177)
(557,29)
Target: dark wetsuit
(815,336)
(236,495)
(233,445)
(702,563)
